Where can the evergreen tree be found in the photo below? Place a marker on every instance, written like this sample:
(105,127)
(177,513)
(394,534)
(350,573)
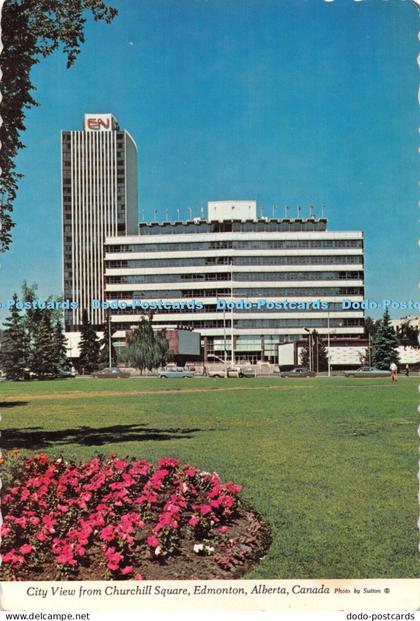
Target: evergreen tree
(385,343)
(14,345)
(145,349)
(104,345)
(60,347)
(44,352)
(89,346)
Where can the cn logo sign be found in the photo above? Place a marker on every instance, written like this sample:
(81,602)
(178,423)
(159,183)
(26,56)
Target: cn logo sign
(95,123)
(99,122)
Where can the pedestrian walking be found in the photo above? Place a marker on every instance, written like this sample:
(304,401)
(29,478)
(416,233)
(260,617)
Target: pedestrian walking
(393,368)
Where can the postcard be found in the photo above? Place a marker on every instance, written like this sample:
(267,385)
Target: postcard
(209,311)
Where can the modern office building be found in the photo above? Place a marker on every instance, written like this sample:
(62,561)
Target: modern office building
(99,199)
(285,276)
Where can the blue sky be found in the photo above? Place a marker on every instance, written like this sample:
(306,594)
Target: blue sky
(290,102)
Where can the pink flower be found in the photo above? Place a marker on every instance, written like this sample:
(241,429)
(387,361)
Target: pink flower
(66,556)
(80,550)
(113,556)
(107,533)
(204,509)
(5,530)
(138,577)
(126,570)
(222,529)
(49,522)
(120,464)
(168,462)
(152,541)
(233,488)
(194,520)
(25,549)
(34,520)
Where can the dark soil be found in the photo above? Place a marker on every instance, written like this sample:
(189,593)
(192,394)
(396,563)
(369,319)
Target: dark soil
(247,540)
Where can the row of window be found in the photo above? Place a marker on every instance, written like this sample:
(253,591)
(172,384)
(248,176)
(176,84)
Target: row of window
(252,244)
(262,323)
(199,261)
(246,292)
(240,276)
(259,226)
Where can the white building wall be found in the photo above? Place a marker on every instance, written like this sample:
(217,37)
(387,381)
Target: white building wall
(176,275)
(99,175)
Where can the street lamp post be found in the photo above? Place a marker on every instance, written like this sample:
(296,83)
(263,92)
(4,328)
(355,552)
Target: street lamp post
(224,337)
(329,345)
(309,347)
(109,341)
(232,339)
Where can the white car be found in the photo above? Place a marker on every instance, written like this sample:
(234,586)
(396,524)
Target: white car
(175,372)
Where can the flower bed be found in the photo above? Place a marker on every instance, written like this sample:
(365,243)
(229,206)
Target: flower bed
(113,518)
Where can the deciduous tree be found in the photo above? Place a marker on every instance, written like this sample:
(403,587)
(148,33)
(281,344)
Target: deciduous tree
(32,30)
(145,348)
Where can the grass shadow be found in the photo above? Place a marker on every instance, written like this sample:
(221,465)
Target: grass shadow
(12,404)
(36,438)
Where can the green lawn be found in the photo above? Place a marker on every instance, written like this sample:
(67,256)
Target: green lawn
(331,463)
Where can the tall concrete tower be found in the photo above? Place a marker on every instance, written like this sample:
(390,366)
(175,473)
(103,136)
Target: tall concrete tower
(99,200)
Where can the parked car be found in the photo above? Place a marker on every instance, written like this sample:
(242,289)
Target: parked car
(175,372)
(216,373)
(298,372)
(111,372)
(241,372)
(366,371)
(63,373)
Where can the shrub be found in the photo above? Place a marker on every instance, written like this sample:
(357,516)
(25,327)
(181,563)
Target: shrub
(61,518)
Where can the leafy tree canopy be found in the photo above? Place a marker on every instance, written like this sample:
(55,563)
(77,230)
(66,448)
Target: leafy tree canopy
(408,335)
(145,348)
(315,357)
(32,30)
